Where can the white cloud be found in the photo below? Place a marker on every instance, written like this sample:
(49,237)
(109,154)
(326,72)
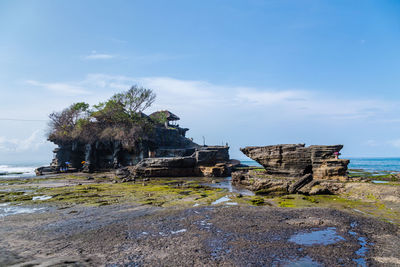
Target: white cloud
(62,88)
(270,97)
(191,96)
(186,95)
(99,56)
(32,142)
(95,55)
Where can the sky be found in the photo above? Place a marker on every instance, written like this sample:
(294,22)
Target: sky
(239,72)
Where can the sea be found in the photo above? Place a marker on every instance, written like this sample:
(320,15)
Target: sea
(27,170)
(22,170)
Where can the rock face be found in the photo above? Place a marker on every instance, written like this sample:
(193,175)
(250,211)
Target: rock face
(296,160)
(264,184)
(205,161)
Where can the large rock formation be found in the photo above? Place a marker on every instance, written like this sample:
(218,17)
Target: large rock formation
(164,151)
(205,161)
(296,160)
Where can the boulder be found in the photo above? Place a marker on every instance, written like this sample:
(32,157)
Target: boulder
(218,170)
(123,173)
(164,167)
(45,170)
(296,160)
(181,166)
(265,184)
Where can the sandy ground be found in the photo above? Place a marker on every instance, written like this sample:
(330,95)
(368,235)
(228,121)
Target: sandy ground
(140,235)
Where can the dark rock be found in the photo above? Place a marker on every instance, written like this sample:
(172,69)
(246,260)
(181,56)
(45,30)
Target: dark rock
(185,166)
(45,170)
(293,188)
(122,173)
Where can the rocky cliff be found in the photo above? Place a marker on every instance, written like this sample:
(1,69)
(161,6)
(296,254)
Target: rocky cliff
(296,160)
(164,152)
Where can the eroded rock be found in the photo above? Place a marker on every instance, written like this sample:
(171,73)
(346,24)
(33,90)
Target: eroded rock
(189,166)
(265,184)
(296,160)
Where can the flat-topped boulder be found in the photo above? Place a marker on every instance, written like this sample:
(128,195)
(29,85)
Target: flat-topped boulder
(296,160)
(205,161)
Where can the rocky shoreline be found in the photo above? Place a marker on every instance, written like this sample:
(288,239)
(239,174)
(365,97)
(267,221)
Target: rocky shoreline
(129,235)
(92,220)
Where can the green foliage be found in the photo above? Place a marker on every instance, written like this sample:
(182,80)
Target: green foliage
(80,106)
(119,118)
(159,117)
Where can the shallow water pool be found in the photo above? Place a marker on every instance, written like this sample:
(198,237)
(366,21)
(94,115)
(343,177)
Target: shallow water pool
(317,237)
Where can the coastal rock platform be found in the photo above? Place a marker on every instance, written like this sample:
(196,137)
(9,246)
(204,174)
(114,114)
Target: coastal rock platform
(85,219)
(130,235)
(264,184)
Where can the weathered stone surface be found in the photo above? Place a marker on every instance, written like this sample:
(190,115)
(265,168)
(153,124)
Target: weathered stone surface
(331,168)
(179,167)
(219,170)
(173,162)
(296,160)
(123,173)
(293,188)
(164,167)
(265,184)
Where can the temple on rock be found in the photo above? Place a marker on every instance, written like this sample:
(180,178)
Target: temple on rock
(164,150)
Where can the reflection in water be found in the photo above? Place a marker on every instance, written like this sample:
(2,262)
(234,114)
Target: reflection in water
(303,262)
(317,237)
(6,210)
(221,200)
(227,184)
(41,197)
(362,252)
(380,182)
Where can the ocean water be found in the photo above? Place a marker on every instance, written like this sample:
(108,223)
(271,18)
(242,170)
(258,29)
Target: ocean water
(250,163)
(18,170)
(375,164)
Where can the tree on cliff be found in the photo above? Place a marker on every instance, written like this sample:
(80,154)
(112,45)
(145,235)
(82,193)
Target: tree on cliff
(119,118)
(62,123)
(125,106)
(136,99)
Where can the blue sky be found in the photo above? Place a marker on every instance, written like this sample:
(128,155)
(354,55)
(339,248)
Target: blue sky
(243,72)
